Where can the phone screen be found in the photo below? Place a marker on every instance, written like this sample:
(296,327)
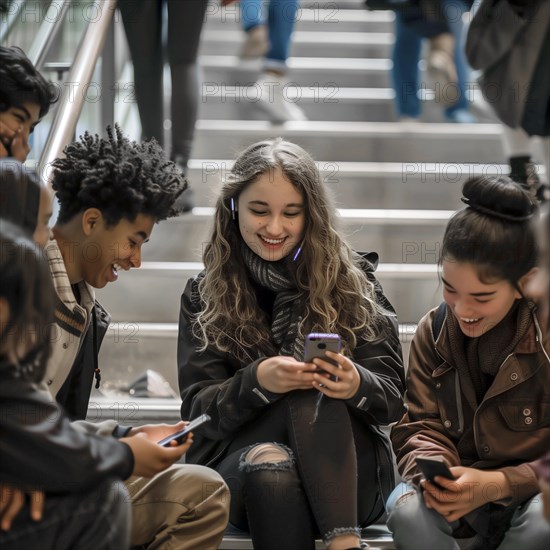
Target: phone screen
(181,436)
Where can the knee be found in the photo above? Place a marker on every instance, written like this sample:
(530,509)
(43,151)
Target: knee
(266,456)
(191,485)
(270,475)
(404,506)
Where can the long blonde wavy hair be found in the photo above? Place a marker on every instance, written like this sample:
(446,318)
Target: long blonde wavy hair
(337,296)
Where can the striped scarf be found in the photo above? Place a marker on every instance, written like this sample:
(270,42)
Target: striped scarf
(286,316)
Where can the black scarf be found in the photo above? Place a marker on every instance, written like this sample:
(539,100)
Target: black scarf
(286,317)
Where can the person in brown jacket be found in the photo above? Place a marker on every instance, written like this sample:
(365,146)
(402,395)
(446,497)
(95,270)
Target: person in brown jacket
(478,387)
(540,289)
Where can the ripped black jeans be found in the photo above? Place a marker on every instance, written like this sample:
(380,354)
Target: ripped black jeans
(324,481)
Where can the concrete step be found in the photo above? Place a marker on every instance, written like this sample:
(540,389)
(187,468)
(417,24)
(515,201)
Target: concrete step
(152,293)
(320,17)
(329,102)
(358,141)
(304,71)
(312,43)
(365,184)
(130,348)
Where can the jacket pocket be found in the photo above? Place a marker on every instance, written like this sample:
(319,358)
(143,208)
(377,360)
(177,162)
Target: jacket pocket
(526,416)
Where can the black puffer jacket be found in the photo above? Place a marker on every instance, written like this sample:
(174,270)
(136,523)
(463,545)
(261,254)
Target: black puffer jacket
(217,383)
(40,449)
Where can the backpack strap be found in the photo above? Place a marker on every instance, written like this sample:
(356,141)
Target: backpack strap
(438,319)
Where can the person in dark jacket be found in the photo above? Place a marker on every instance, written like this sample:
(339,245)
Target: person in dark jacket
(303,454)
(111,192)
(477,386)
(76,499)
(508,41)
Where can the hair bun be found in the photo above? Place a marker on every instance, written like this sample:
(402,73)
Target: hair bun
(500,197)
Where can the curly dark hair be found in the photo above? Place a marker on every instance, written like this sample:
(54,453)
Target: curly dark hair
(119,177)
(20,82)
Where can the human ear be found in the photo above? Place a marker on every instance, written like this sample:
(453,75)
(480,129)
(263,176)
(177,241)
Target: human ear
(90,220)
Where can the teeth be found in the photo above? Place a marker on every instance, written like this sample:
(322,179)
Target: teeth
(469,320)
(117,267)
(273,241)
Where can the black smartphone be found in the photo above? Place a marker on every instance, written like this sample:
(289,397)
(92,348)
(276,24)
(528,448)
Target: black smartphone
(181,436)
(317,343)
(433,466)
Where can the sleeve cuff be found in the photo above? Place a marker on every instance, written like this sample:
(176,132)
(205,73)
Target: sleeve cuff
(121,431)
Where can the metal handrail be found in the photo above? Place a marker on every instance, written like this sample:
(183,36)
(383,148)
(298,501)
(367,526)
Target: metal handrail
(49,28)
(80,76)
(10,19)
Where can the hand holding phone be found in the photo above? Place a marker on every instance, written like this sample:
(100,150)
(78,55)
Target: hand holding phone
(434,466)
(315,346)
(181,436)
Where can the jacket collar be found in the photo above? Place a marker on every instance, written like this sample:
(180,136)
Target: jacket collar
(62,284)
(530,343)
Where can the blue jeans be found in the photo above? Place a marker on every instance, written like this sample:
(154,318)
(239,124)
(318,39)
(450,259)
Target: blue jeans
(406,54)
(98,519)
(415,527)
(280,18)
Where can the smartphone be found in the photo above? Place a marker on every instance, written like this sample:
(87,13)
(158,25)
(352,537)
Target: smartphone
(181,436)
(433,466)
(317,343)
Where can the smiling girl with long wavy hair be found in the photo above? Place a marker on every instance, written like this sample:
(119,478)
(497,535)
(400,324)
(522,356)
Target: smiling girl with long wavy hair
(301,451)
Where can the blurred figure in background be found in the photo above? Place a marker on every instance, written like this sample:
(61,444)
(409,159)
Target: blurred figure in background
(144,23)
(440,21)
(25,98)
(509,42)
(268,26)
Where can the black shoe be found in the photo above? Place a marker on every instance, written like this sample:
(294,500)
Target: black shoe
(184,203)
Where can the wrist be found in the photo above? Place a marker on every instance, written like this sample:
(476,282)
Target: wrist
(498,487)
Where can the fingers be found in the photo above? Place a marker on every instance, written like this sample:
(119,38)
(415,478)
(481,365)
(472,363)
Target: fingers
(14,503)
(6,133)
(37,499)
(20,147)
(3,151)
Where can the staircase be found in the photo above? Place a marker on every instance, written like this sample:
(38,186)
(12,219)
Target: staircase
(396,184)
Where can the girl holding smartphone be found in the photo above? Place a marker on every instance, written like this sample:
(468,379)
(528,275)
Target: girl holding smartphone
(303,454)
(477,386)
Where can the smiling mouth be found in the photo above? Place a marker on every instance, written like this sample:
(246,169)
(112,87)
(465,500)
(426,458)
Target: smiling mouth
(469,321)
(116,267)
(272,242)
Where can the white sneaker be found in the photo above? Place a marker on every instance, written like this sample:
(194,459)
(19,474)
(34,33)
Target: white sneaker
(256,43)
(274,98)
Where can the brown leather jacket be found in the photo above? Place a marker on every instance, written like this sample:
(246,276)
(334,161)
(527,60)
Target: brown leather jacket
(511,426)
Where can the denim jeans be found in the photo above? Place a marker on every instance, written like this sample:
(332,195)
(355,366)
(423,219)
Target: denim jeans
(406,55)
(96,520)
(415,527)
(329,484)
(279,16)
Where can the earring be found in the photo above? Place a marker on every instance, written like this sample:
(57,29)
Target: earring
(232,200)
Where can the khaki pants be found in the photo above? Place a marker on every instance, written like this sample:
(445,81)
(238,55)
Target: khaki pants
(186,507)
